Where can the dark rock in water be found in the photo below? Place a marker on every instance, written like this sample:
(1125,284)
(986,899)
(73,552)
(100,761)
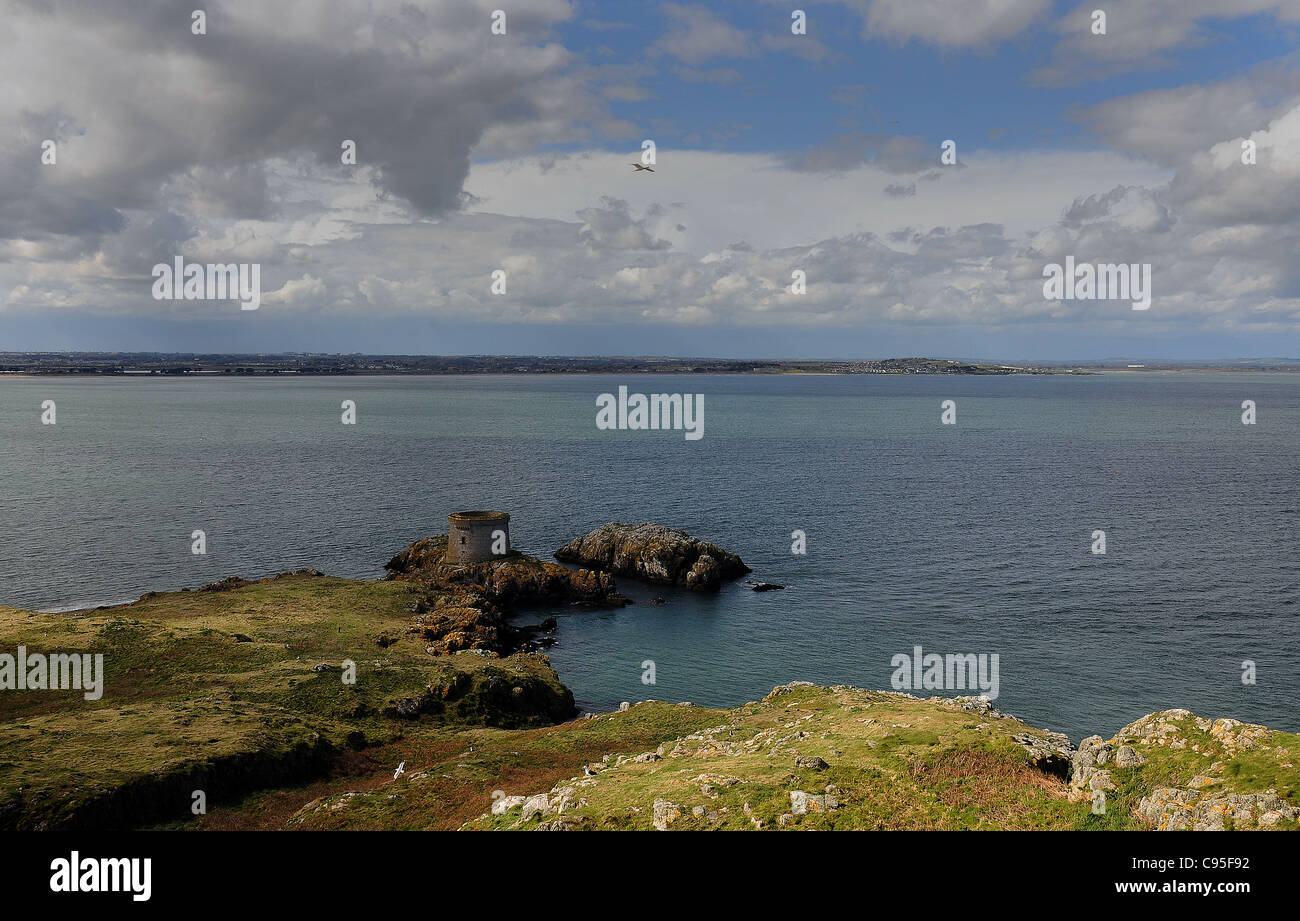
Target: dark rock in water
(535,635)
(656,601)
(765,586)
(654,553)
(538,644)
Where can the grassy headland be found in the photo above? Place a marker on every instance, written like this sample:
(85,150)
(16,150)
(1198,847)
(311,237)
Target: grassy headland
(237,691)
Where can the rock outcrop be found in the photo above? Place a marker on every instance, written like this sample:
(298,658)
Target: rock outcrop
(654,553)
(1089,775)
(808,757)
(467,605)
(515,580)
(1169,809)
(1203,803)
(1050,752)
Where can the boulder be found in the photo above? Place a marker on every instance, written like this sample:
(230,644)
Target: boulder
(802,803)
(665,814)
(539,805)
(503,804)
(1127,756)
(1087,778)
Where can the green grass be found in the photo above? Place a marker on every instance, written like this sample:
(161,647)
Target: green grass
(915,765)
(186,701)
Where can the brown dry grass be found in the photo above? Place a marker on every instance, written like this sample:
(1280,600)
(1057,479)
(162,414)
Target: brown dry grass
(1000,787)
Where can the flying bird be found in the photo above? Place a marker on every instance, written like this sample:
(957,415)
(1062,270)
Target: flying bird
(641,166)
(401,769)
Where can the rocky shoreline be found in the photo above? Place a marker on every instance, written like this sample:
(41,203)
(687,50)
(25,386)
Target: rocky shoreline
(241,679)
(767,766)
(470,603)
(468,606)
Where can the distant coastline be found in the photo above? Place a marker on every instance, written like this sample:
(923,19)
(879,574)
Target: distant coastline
(148,364)
(157,364)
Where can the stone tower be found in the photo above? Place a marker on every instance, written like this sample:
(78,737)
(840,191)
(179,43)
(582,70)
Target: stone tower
(469,536)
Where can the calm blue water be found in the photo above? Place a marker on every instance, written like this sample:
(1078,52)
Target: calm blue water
(971,538)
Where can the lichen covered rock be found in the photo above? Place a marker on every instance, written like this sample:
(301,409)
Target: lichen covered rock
(1169,809)
(654,553)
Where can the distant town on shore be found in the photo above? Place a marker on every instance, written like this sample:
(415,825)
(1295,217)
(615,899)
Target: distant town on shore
(308,363)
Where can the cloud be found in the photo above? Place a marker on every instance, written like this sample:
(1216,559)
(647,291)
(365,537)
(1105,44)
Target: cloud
(938,22)
(1168,125)
(305,290)
(224,148)
(186,123)
(697,36)
(611,226)
(1142,36)
(801,46)
(1130,207)
(1211,270)
(892,153)
(1217,188)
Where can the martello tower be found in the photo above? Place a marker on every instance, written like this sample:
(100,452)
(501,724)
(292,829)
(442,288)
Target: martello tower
(469,536)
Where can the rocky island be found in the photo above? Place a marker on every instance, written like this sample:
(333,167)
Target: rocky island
(654,553)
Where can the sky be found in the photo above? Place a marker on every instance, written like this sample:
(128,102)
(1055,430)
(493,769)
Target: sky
(799,204)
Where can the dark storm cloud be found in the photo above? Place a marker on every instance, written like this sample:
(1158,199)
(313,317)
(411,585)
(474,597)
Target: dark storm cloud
(144,111)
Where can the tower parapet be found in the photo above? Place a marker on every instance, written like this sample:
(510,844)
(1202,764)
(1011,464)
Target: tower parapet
(471,536)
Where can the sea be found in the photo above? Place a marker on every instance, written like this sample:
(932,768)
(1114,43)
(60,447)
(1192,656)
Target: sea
(972,538)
